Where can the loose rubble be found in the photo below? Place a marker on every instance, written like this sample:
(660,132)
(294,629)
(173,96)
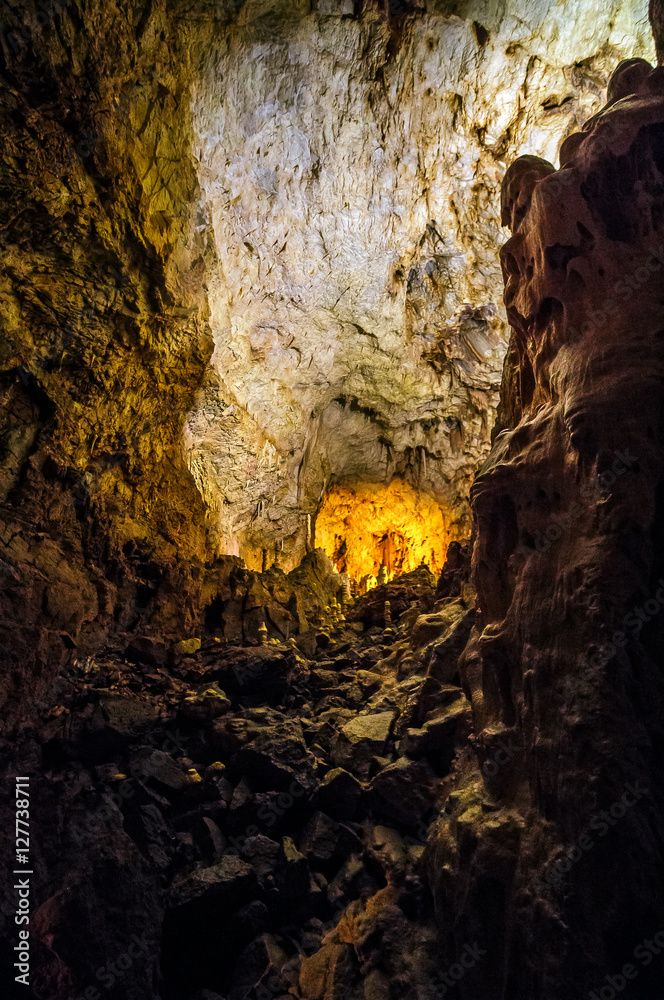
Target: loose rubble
(280,826)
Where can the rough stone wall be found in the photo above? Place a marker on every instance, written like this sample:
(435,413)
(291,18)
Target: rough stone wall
(551,855)
(104,332)
(111,119)
(349,163)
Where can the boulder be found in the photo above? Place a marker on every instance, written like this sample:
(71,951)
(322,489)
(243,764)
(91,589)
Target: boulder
(210,889)
(259,964)
(155,838)
(263,672)
(319,839)
(147,650)
(209,703)
(434,626)
(159,770)
(438,737)
(361,739)
(261,852)
(187,647)
(272,756)
(201,938)
(404,792)
(338,794)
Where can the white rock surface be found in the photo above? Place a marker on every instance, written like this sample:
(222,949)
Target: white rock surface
(350,169)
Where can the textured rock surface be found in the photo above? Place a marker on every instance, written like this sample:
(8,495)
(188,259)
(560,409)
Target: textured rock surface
(122,224)
(550,854)
(178,852)
(379,232)
(349,166)
(104,335)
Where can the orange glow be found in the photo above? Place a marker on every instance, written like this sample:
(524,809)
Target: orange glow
(367,525)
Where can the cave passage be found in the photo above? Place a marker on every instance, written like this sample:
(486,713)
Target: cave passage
(331,500)
(375,533)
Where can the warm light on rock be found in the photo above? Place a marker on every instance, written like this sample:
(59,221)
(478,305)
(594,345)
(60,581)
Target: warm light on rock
(371,527)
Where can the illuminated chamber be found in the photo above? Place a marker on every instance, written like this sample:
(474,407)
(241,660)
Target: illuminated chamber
(373,531)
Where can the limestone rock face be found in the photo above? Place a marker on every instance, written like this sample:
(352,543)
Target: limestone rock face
(552,831)
(349,165)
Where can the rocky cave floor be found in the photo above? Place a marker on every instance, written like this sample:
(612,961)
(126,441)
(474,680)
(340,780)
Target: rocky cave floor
(260,810)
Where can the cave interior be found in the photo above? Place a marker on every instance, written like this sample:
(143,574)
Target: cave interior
(331,499)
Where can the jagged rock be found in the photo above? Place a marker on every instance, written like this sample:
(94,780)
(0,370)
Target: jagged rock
(261,962)
(319,839)
(306,643)
(263,671)
(250,811)
(208,704)
(367,681)
(433,626)
(262,853)
(352,880)
(386,848)
(338,794)
(272,756)
(323,680)
(442,658)
(187,647)
(126,716)
(147,650)
(401,592)
(440,735)
(404,791)
(161,772)
(199,923)
(209,837)
(153,835)
(294,867)
(205,890)
(217,784)
(568,511)
(350,962)
(295,884)
(360,740)
(425,700)
(456,571)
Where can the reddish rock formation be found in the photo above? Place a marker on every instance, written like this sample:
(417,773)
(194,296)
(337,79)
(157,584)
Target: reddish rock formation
(550,856)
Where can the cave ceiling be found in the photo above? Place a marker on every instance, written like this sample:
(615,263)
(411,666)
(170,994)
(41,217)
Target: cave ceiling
(349,172)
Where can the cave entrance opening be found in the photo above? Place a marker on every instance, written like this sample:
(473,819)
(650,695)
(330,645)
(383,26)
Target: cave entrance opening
(376,531)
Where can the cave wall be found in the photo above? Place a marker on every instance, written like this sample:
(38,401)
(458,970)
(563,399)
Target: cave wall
(170,393)
(104,320)
(550,855)
(349,164)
